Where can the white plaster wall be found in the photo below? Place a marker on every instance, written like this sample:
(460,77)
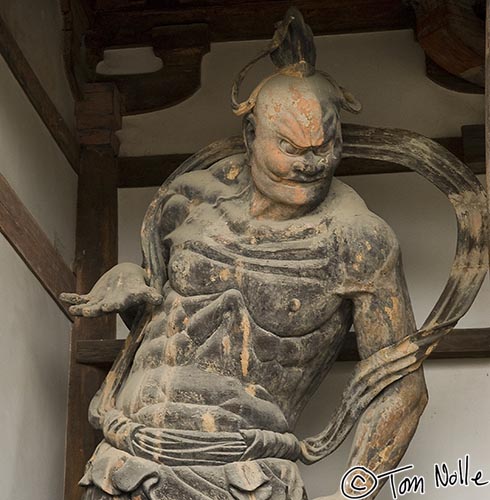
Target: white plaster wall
(34,339)
(385,71)
(35,167)
(37,28)
(34,333)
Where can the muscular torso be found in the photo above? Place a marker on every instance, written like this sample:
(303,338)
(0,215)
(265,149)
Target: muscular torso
(254,311)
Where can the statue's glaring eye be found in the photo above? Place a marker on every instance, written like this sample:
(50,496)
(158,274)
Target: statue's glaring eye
(289,148)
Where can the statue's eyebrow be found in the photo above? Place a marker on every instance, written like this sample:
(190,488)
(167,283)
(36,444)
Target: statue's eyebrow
(287,139)
(290,126)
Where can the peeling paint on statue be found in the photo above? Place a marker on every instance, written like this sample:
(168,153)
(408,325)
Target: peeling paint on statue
(257,263)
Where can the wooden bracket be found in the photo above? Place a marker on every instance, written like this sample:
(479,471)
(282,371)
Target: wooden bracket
(449,81)
(452,34)
(181,49)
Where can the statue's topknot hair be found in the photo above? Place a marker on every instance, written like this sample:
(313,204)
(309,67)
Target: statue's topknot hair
(292,50)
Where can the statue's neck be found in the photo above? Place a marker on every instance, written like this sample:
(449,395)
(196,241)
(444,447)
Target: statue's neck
(262,207)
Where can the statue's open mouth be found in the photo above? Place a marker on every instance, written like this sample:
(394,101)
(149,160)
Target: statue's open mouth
(299,179)
(306,179)
(303,180)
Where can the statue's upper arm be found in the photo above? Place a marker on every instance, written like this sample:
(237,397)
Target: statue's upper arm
(382,311)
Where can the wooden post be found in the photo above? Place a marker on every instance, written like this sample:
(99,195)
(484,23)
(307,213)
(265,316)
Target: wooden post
(98,118)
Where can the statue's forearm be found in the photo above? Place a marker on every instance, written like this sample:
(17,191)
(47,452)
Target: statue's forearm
(387,426)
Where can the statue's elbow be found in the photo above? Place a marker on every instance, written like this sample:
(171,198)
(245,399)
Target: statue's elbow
(421,398)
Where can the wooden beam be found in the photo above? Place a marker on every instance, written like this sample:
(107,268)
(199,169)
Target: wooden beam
(33,246)
(474,146)
(462,343)
(98,352)
(235,20)
(39,98)
(96,251)
(146,171)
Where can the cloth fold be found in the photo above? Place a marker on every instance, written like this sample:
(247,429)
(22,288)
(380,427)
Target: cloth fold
(115,474)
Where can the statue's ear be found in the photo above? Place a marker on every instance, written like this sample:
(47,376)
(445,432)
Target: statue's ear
(248,129)
(349,102)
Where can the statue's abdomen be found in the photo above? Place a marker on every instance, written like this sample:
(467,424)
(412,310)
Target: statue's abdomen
(240,341)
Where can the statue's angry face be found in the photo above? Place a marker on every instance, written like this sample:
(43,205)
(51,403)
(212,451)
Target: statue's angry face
(294,140)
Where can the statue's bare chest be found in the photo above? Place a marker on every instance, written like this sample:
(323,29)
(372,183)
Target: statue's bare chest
(288,281)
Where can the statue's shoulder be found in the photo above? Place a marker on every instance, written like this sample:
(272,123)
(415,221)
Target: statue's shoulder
(350,213)
(220,179)
(367,241)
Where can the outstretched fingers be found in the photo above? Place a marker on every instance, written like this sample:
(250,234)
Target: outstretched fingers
(113,306)
(95,303)
(74,298)
(82,305)
(88,310)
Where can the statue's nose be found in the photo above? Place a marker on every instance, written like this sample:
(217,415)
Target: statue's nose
(310,166)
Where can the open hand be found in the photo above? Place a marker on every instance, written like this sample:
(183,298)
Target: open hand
(118,289)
